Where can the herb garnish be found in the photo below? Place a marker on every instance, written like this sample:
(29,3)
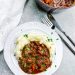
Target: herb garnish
(26,35)
(49,40)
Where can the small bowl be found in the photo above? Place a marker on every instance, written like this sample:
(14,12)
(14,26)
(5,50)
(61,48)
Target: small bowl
(47,7)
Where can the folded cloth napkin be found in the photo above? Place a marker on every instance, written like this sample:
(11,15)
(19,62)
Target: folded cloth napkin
(10,14)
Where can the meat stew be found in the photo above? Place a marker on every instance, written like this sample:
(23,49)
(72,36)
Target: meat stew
(35,58)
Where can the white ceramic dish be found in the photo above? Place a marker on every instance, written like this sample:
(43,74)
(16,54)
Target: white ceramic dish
(27,28)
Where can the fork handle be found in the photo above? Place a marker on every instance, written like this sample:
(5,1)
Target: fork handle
(68,38)
(70,48)
(59,28)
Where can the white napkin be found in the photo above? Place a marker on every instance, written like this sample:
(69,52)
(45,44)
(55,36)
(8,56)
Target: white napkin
(10,14)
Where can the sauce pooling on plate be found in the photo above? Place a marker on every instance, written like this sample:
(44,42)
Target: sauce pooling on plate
(35,58)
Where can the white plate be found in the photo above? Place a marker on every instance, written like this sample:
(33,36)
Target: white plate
(24,29)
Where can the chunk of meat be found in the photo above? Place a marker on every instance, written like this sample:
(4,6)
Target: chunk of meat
(43,50)
(43,60)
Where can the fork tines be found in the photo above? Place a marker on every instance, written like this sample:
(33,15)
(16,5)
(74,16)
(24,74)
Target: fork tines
(46,21)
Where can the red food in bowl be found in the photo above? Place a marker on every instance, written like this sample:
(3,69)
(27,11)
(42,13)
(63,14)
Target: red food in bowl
(52,5)
(59,3)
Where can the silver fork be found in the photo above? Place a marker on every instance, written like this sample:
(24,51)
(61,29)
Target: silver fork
(46,21)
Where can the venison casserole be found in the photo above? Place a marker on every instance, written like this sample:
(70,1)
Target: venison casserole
(35,58)
(33,53)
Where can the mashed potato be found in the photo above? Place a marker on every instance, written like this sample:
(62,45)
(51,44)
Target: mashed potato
(25,39)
